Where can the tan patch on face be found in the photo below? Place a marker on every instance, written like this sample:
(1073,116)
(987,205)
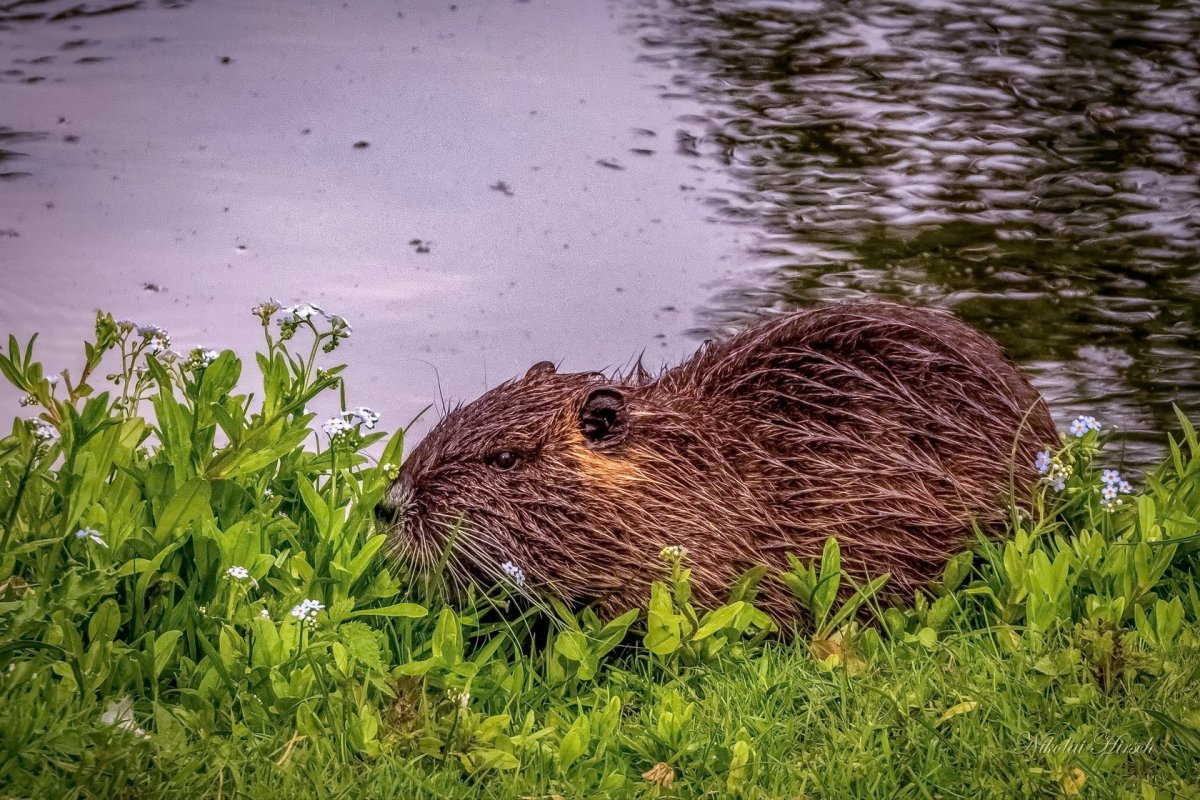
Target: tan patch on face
(604,469)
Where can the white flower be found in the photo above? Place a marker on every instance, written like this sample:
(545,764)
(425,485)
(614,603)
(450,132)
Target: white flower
(339,324)
(53,380)
(363,416)
(335,425)
(201,357)
(299,313)
(673,552)
(1042,462)
(91,533)
(266,309)
(151,332)
(268,494)
(515,573)
(43,431)
(265,614)
(119,714)
(238,573)
(307,610)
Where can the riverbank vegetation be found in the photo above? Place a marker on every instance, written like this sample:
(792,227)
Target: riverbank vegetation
(195,601)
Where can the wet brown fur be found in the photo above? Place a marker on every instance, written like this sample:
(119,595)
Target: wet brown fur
(894,429)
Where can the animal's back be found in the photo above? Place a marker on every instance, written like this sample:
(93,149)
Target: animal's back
(893,428)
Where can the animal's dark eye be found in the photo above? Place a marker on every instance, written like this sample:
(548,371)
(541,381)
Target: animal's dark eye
(504,460)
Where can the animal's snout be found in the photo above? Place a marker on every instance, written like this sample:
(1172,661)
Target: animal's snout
(396,503)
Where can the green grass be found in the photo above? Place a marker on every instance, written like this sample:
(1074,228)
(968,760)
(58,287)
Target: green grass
(135,662)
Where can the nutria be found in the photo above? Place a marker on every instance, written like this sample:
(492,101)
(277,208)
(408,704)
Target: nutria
(894,429)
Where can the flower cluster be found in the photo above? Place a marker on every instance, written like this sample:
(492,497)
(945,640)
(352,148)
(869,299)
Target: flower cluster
(342,430)
(1114,487)
(307,611)
(45,433)
(1080,426)
(390,470)
(92,534)
(673,552)
(292,317)
(157,340)
(1052,469)
(514,573)
(237,573)
(201,357)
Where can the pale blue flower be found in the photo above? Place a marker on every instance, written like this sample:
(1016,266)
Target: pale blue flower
(515,573)
(335,425)
(1111,477)
(1042,462)
(362,416)
(237,573)
(92,534)
(44,432)
(306,611)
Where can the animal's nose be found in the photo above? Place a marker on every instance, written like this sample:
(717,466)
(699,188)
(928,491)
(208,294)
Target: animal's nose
(395,501)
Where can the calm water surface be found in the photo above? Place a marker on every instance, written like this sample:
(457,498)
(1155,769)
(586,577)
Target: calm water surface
(592,181)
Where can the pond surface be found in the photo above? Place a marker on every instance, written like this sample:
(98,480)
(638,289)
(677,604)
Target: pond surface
(482,185)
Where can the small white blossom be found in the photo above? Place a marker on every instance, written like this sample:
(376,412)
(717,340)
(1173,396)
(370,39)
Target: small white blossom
(201,357)
(119,714)
(339,324)
(44,432)
(268,494)
(363,416)
(266,309)
(514,573)
(335,425)
(92,534)
(53,380)
(299,313)
(264,613)
(307,610)
(151,332)
(237,573)
(673,552)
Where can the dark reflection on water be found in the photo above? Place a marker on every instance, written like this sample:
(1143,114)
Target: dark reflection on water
(1030,165)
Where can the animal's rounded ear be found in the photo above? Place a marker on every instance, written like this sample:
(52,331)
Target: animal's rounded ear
(541,368)
(604,420)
